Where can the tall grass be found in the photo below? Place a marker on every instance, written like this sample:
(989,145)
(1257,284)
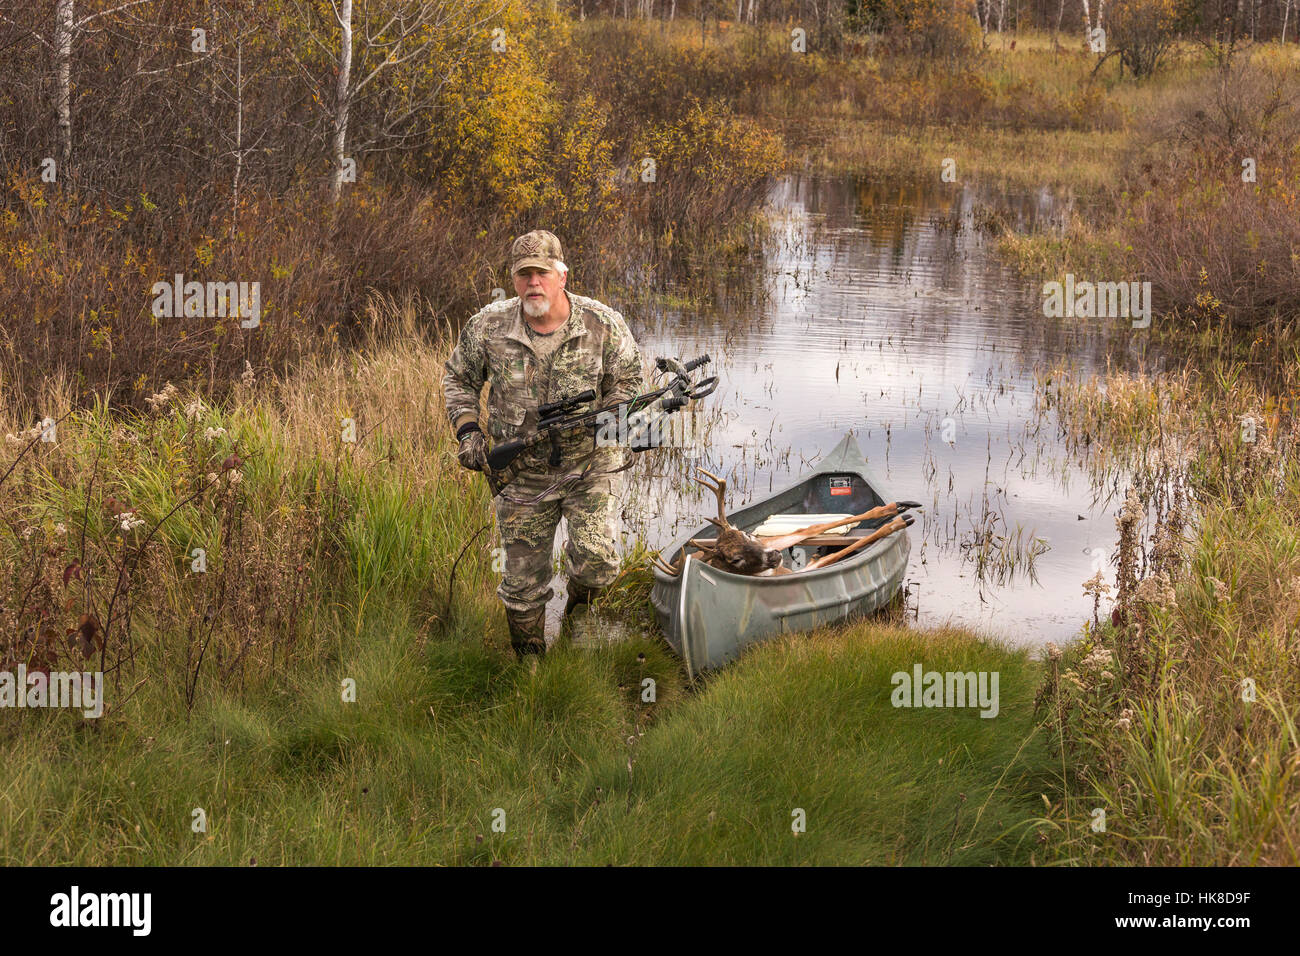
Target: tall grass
(1177,717)
(327,569)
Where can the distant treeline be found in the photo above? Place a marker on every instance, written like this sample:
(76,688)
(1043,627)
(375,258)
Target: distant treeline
(1221,19)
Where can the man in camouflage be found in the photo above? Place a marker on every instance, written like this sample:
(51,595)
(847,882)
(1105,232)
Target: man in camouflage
(541,346)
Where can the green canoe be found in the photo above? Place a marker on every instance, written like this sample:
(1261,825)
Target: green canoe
(709,616)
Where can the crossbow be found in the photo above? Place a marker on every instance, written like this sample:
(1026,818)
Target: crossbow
(555,419)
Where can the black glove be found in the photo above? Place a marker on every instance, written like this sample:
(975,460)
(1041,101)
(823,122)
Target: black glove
(473,450)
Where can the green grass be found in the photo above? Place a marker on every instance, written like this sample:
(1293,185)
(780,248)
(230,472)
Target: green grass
(442,735)
(807,724)
(446,729)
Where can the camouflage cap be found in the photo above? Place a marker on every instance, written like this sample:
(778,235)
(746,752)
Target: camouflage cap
(538,249)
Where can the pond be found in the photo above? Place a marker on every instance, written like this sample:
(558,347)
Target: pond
(883,308)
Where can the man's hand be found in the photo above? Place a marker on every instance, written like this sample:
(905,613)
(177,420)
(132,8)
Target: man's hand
(473,450)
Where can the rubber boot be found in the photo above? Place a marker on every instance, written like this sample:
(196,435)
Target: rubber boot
(579,597)
(527,632)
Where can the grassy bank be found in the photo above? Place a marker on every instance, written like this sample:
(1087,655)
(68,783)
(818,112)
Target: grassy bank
(445,733)
(328,561)
(1177,712)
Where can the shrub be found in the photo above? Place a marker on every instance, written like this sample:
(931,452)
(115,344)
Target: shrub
(1230,249)
(937,30)
(1142,32)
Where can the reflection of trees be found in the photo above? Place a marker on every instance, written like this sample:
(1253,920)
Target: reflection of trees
(898,259)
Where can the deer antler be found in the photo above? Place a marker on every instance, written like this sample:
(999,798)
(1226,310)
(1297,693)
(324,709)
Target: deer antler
(719,487)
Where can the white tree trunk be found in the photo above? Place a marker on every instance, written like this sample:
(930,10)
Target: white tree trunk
(343,98)
(239,135)
(1087,20)
(64,24)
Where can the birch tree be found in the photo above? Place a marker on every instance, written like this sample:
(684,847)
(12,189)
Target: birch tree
(365,41)
(67,27)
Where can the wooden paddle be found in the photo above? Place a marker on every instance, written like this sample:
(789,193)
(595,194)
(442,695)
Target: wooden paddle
(781,542)
(902,521)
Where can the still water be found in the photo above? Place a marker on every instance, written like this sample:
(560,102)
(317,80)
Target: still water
(884,309)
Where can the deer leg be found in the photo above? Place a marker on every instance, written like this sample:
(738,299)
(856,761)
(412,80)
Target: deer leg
(663,566)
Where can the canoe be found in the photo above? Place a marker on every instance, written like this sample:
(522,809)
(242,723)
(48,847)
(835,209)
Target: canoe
(709,616)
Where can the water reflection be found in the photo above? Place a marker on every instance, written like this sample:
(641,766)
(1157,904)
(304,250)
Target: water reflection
(882,308)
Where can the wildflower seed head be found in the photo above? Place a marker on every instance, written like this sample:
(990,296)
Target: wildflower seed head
(1131,513)
(1096,586)
(1156,589)
(160,400)
(1098,660)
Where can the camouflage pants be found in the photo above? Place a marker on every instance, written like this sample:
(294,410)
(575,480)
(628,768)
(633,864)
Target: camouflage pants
(527,531)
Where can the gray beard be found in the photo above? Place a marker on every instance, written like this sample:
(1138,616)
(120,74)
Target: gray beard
(538,309)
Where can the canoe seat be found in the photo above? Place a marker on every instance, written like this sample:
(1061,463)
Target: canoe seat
(787,523)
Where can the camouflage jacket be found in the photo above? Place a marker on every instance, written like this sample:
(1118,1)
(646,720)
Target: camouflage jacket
(596,351)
